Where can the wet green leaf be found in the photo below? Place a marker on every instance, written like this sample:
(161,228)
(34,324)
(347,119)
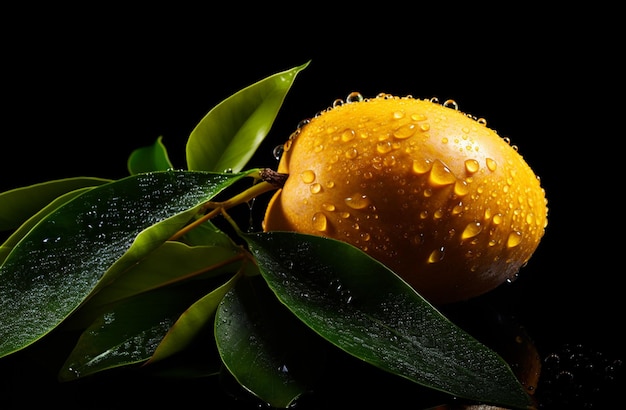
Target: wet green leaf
(20,232)
(17,205)
(90,240)
(208,234)
(127,334)
(170,263)
(150,158)
(264,346)
(365,309)
(191,323)
(228,136)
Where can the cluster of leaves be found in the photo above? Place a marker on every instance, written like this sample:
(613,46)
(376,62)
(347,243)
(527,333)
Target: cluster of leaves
(114,260)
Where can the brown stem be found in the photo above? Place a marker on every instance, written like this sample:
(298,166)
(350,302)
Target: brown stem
(275,178)
(243,197)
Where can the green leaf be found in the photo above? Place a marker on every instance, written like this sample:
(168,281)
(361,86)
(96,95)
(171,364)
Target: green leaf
(365,309)
(170,263)
(208,234)
(191,323)
(20,232)
(149,159)
(127,334)
(90,240)
(17,205)
(228,136)
(264,346)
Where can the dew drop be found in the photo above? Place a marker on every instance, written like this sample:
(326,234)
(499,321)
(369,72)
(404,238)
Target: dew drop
(315,188)
(497,219)
(277,152)
(398,115)
(421,166)
(436,255)
(487,214)
(418,117)
(383,147)
(514,239)
(441,175)
(320,223)
(389,161)
(451,104)
(418,239)
(461,188)
(358,201)
(405,131)
(307,176)
(491,164)
(471,230)
(348,135)
(328,207)
(471,166)
(354,96)
(351,153)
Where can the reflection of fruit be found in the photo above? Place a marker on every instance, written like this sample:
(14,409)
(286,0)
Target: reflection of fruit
(429,191)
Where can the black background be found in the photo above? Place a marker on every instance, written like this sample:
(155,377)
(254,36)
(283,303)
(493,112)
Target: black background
(80,93)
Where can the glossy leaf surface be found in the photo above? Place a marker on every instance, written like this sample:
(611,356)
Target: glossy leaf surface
(363,308)
(20,232)
(93,238)
(264,346)
(228,136)
(191,322)
(149,159)
(172,262)
(17,205)
(127,334)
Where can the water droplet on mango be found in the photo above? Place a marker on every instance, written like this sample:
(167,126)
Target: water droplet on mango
(436,255)
(351,153)
(514,239)
(471,166)
(307,176)
(421,166)
(320,223)
(440,175)
(358,201)
(405,131)
(354,96)
(471,230)
(315,188)
(348,135)
(383,147)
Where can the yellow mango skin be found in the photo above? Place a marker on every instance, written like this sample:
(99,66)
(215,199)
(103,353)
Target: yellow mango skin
(434,194)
